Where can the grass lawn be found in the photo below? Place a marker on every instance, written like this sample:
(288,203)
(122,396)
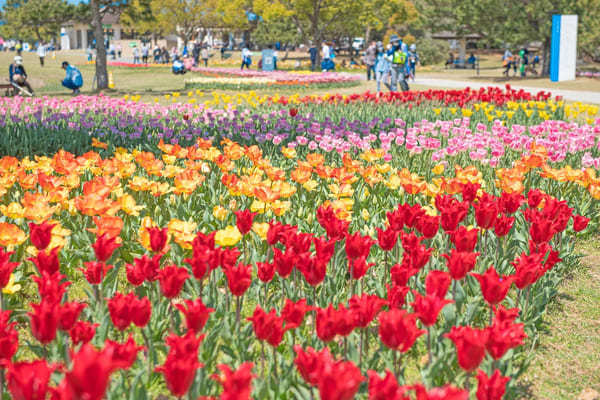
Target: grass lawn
(568,358)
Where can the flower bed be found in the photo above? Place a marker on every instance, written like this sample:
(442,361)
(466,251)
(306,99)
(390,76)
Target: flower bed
(299,253)
(282,78)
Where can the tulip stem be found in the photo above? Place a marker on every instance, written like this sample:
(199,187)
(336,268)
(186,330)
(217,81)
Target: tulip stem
(237,312)
(150,349)
(1,306)
(394,363)
(262,358)
(491,313)
(1,384)
(275,363)
(429,359)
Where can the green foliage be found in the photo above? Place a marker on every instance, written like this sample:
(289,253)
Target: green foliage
(282,30)
(35,19)
(432,51)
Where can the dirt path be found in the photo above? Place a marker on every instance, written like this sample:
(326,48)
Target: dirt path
(567,364)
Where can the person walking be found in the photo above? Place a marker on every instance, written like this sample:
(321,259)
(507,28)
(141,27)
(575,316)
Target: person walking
(326,58)
(370,55)
(246,58)
(19,48)
(398,60)
(41,52)
(136,55)
(119,50)
(413,59)
(156,54)
(145,53)
(382,67)
(205,55)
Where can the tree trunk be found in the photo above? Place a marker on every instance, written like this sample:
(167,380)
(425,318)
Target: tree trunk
(546,58)
(101,70)
(367,37)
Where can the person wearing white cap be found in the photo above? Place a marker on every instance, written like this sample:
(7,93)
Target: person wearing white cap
(17,74)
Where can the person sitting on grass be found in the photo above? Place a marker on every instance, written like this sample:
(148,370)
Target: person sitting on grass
(73,79)
(17,74)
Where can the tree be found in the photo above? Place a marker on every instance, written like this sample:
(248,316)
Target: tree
(516,22)
(141,16)
(189,19)
(39,19)
(382,15)
(312,18)
(92,13)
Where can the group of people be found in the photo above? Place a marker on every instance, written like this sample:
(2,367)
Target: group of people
(18,77)
(380,61)
(524,62)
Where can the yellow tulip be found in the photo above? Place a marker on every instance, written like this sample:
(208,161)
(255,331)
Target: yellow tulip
(227,237)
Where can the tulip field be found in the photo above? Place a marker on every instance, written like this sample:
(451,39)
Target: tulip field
(215,246)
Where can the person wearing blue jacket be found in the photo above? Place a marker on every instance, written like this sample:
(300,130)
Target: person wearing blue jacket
(382,67)
(73,79)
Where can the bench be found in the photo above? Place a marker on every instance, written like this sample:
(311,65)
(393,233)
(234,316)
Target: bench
(9,90)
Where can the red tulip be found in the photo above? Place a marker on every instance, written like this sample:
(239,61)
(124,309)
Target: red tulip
(358,267)
(327,323)
(181,363)
(460,263)
(491,387)
(452,211)
(44,321)
(504,333)
(396,219)
(469,191)
(239,278)
(312,268)
(158,238)
(534,198)
(365,308)
(201,262)
(428,225)
(470,345)
(40,235)
(196,314)
(82,332)
(358,245)
(293,313)
(243,220)
(398,329)
(29,380)
(385,388)
(293,112)
(437,283)
(310,363)
(9,338)
(104,247)
(528,269)
(336,228)
(89,376)
(580,223)
(298,241)
(464,239)
(51,287)
(6,267)
(541,229)
(401,273)
(122,355)
(511,202)
(135,273)
(493,286)
(324,249)
(143,268)
(427,308)
(284,262)
(237,384)
(171,280)
(396,295)
(411,214)
(267,326)
(486,211)
(447,392)
(339,380)
(265,271)
(68,314)
(95,271)
(387,238)
(47,262)
(125,309)
(503,225)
